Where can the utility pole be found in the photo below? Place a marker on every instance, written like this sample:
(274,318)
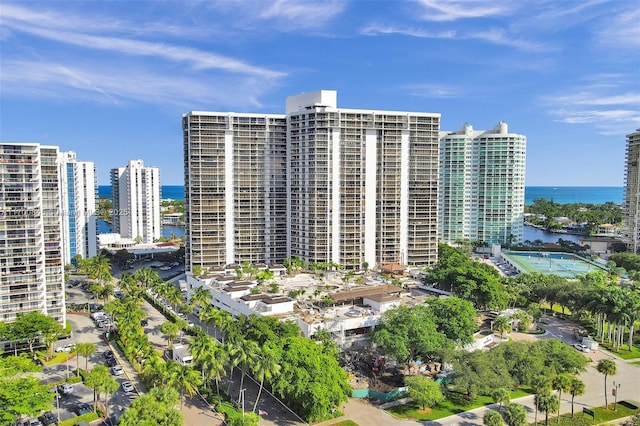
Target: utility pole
(615,390)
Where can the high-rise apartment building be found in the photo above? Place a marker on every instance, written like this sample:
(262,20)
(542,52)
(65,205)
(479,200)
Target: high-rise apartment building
(632,192)
(482,178)
(135,191)
(322,183)
(78,187)
(31,242)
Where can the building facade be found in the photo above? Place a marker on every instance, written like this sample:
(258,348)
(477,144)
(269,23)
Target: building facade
(135,191)
(79,189)
(31,240)
(632,192)
(354,187)
(482,179)
(235,188)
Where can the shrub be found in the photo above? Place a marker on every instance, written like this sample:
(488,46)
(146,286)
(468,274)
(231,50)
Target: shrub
(74,379)
(89,417)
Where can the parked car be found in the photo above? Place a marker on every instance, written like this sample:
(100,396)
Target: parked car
(82,409)
(31,422)
(108,353)
(117,370)
(66,348)
(127,387)
(66,388)
(581,347)
(111,362)
(48,418)
(144,322)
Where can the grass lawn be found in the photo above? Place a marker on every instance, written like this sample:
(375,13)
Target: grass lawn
(345,423)
(636,363)
(59,357)
(624,353)
(447,407)
(601,416)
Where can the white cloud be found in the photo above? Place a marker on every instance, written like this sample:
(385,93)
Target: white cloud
(302,14)
(433,90)
(452,10)
(609,107)
(376,29)
(118,84)
(622,29)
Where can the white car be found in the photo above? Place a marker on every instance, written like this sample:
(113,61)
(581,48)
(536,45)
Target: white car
(65,348)
(581,347)
(66,388)
(127,387)
(117,370)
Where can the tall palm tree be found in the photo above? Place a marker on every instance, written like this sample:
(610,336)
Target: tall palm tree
(94,380)
(561,382)
(515,415)
(576,388)
(210,356)
(173,296)
(85,349)
(171,330)
(245,354)
(547,402)
(209,315)
(184,378)
(606,367)
(201,297)
(265,367)
(109,386)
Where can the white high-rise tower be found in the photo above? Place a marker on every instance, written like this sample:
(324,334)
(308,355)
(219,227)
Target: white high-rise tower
(136,201)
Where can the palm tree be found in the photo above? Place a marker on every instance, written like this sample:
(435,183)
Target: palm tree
(183,377)
(85,349)
(265,367)
(576,388)
(109,386)
(246,353)
(94,380)
(173,296)
(492,418)
(561,382)
(209,315)
(502,324)
(500,395)
(547,402)
(210,356)
(171,330)
(606,367)
(201,297)
(515,415)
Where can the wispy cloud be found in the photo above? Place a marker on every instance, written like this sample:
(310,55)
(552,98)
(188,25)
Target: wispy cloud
(433,90)
(621,29)
(51,27)
(115,84)
(302,14)
(453,10)
(603,104)
(377,29)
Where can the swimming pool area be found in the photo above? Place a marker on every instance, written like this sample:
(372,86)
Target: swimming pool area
(566,265)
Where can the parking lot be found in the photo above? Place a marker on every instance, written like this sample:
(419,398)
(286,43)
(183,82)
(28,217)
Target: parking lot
(86,330)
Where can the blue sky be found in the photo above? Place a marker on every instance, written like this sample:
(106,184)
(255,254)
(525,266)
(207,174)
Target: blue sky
(111,80)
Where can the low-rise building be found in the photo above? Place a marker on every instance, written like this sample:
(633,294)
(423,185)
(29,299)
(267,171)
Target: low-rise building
(182,354)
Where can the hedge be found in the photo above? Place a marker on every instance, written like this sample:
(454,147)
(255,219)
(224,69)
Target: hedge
(89,417)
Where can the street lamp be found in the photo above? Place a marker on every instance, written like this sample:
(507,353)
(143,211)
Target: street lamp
(615,390)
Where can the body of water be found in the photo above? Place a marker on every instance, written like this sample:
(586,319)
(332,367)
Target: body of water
(173,192)
(531,233)
(575,194)
(559,194)
(178,231)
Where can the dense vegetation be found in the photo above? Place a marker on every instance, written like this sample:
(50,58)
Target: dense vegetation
(592,215)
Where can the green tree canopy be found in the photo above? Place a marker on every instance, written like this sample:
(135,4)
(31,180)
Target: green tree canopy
(455,318)
(409,333)
(424,391)
(492,418)
(22,396)
(310,380)
(154,409)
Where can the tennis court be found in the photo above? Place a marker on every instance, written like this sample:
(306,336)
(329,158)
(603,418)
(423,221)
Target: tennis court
(562,264)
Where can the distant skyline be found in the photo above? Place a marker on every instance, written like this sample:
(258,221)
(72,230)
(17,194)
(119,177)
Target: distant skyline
(111,80)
